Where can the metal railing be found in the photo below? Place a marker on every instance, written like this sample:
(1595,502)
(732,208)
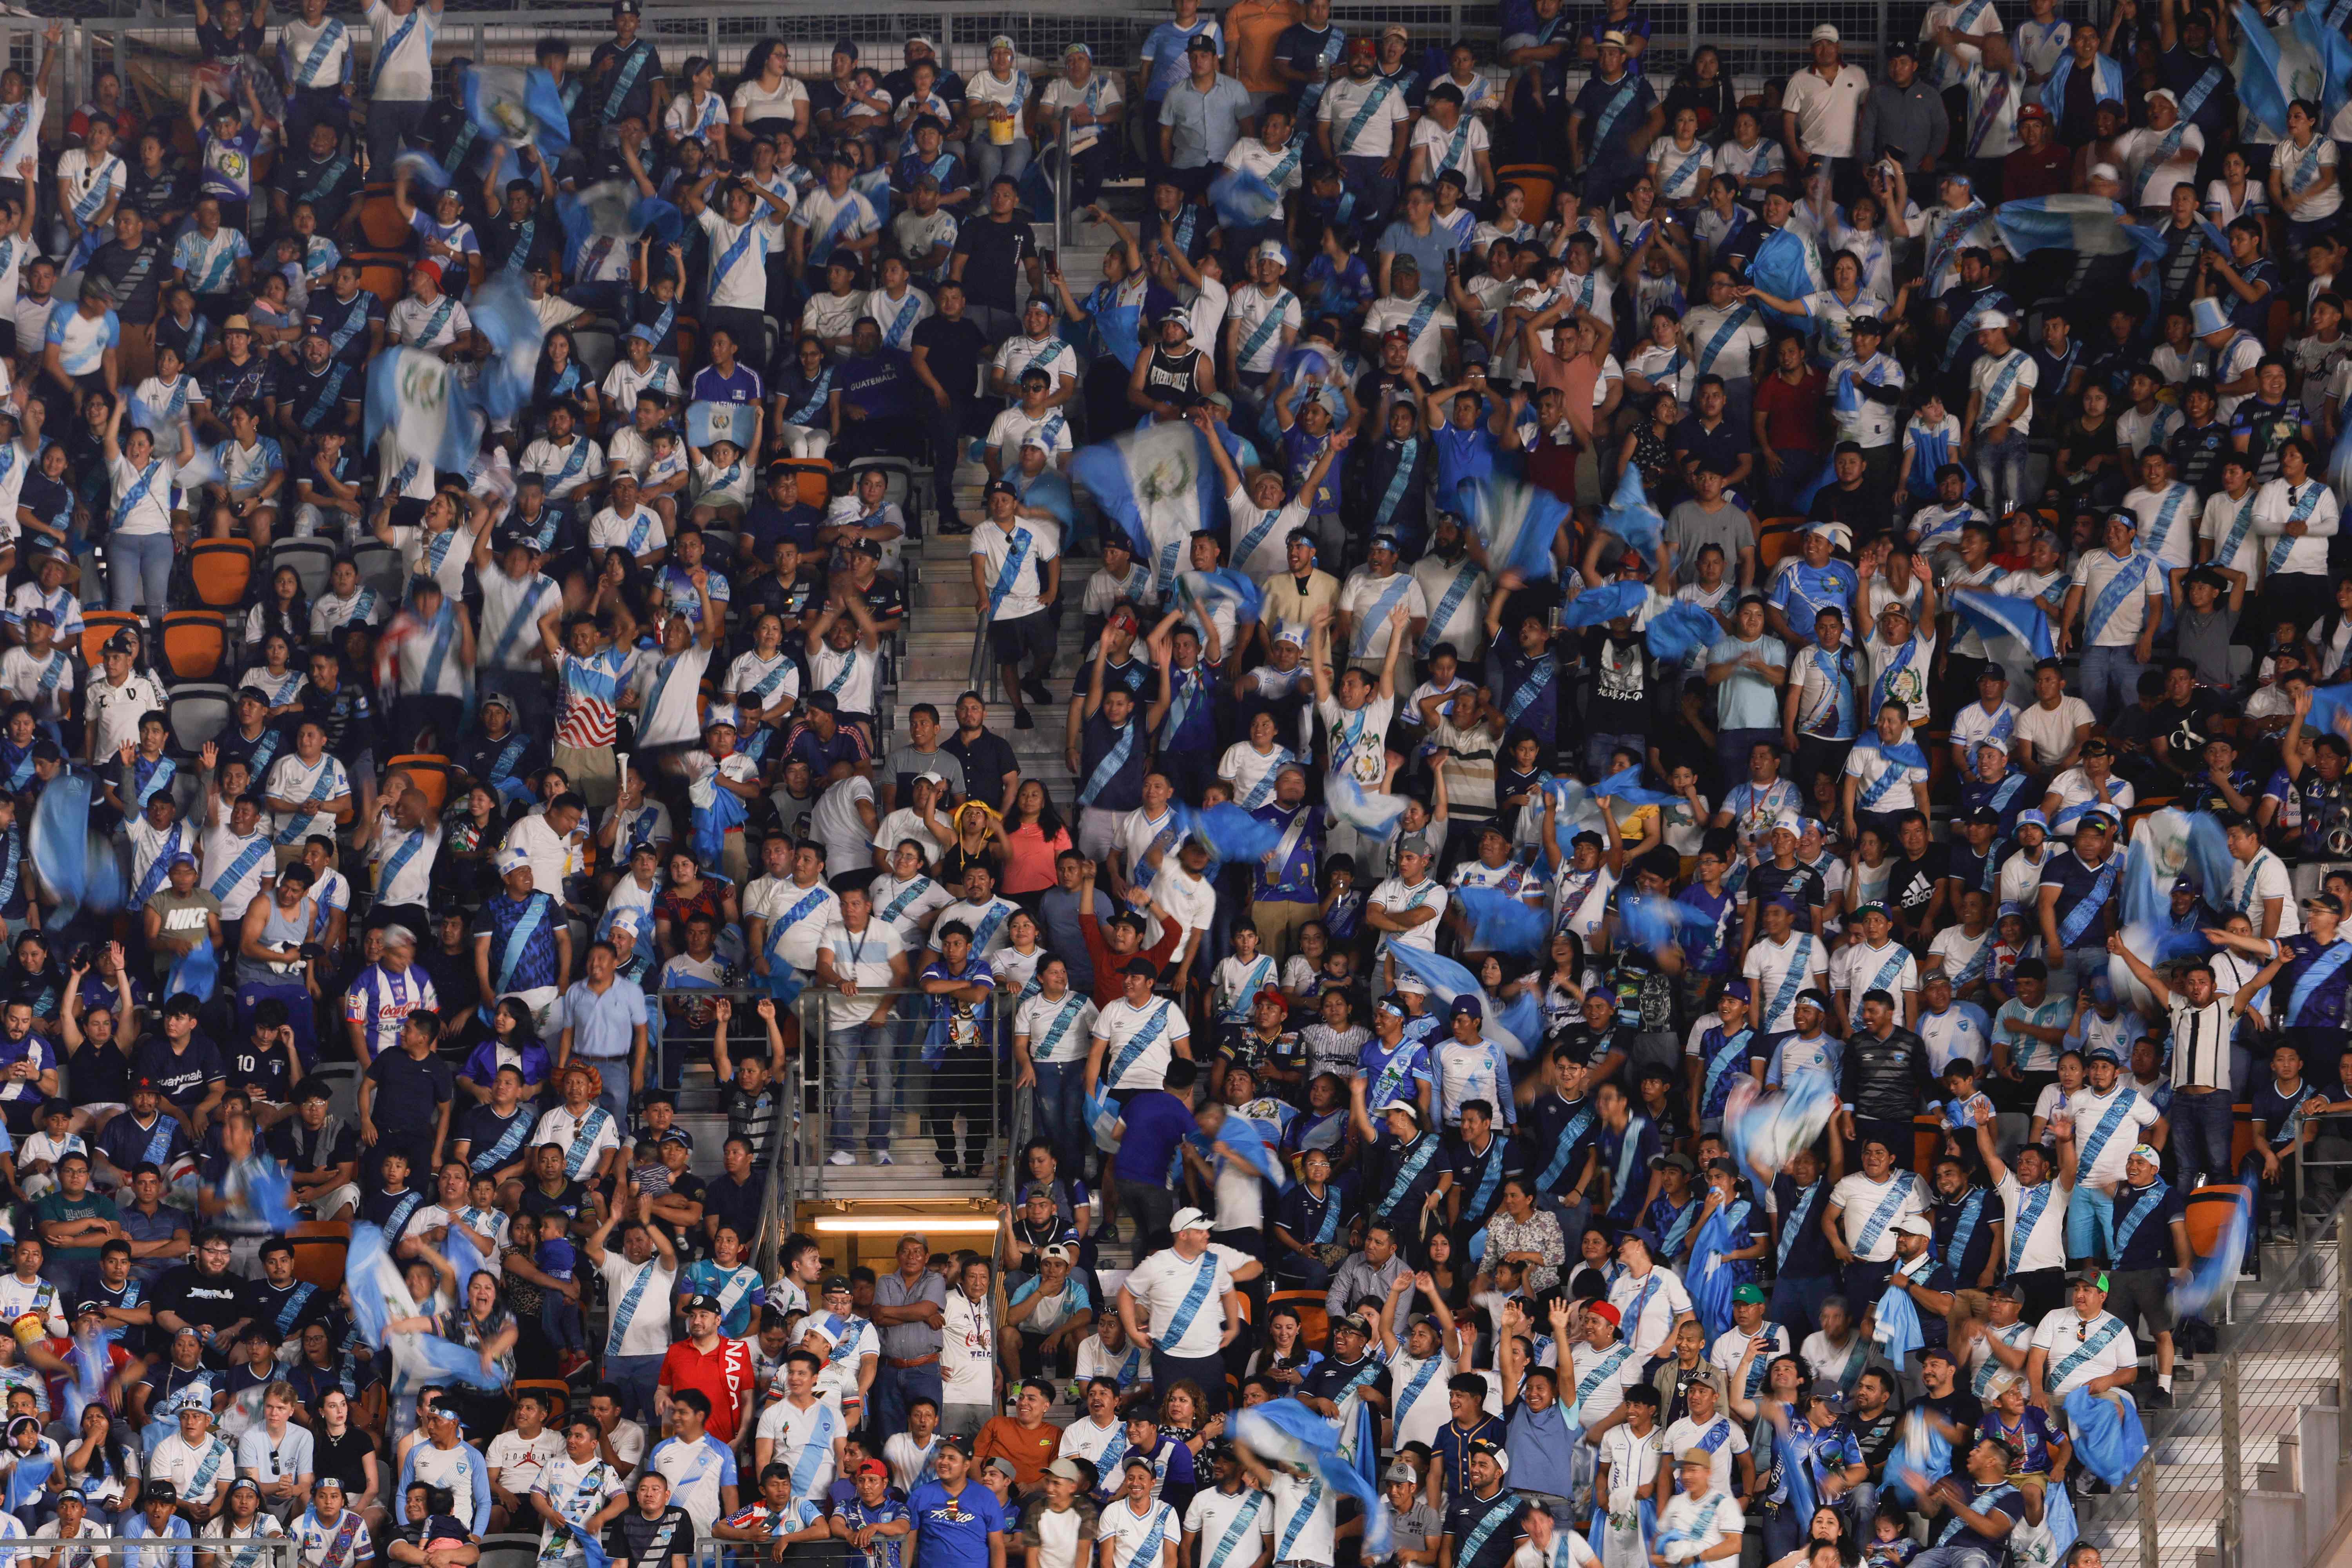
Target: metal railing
(150,1551)
(2249,1447)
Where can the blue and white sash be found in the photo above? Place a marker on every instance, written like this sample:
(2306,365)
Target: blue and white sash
(1720,339)
(2313,490)
(526,926)
(2078,918)
(1407,1174)
(1996,398)
(1447,603)
(1800,1212)
(2119,589)
(247,859)
(1109,768)
(625,1309)
(1407,453)
(1131,1050)
(2099,1340)
(1196,1296)
(1889,1205)
(2128,1224)
(1266,330)
(157,868)
(2320,970)
(1376,618)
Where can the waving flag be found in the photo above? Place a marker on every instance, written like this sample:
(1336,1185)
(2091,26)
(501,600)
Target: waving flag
(2264,85)
(1159,484)
(1920,1449)
(259,1194)
(708,422)
(2215,1275)
(108,887)
(424,168)
(1284,1432)
(415,399)
(2107,1435)
(91,1365)
(2211,864)
(502,313)
(1765,1128)
(1594,605)
(1208,590)
(1649,922)
(1894,1324)
(379,1295)
(1574,811)
(1502,922)
(1626,786)
(1369,812)
(1633,519)
(1517,522)
(1713,1276)
(2339,461)
(1242,200)
(60,843)
(1783,266)
(2334,53)
(2159,853)
(2003,617)
(1102,1120)
(1680,631)
(1232,835)
(1242,1136)
(1515,1027)
(196,973)
(2089,226)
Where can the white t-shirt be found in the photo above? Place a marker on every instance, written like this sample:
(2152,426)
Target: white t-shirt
(1130,1533)
(993,546)
(1121,1022)
(968,1351)
(863,958)
(1394,896)
(2045,1245)
(1687,1434)
(1859,1200)
(2001,388)
(2066,1331)
(1162,1282)
(2050,731)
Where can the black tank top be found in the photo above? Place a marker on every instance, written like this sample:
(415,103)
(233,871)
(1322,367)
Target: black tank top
(1174,373)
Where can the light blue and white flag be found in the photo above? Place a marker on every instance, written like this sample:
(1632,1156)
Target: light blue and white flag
(1159,484)
(502,313)
(1606,603)
(1784,266)
(415,396)
(1369,812)
(423,168)
(1517,1027)
(1231,834)
(2004,617)
(2333,51)
(1243,199)
(1633,519)
(1517,522)
(1503,923)
(1208,590)
(1679,631)
(2108,1437)
(2215,1275)
(1765,1128)
(2265,85)
(708,422)
(1284,1432)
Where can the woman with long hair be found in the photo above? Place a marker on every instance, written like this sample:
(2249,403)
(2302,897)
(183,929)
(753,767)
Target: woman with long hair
(1701,85)
(513,1042)
(767,97)
(276,676)
(561,374)
(1033,835)
(283,609)
(1284,1357)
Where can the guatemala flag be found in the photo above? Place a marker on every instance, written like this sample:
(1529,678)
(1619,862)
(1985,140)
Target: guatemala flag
(1633,519)
(1679,631)
(502,313)
(2265,78)
(1369,812)
(2333,51)
(1517,522)
(1242,200)
(1161,485)
(413,396)
(708,422)
(1500,923)
(1784,267)
(1515,1027)
(1607,603)
(1284,1432)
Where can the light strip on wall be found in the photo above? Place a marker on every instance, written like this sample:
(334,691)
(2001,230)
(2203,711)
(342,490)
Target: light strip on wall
(901,1224)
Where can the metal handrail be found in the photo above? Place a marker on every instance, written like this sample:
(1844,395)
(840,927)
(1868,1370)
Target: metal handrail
(2131,1517)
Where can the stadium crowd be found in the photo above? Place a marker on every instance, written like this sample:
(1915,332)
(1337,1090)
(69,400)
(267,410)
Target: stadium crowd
(1702,636)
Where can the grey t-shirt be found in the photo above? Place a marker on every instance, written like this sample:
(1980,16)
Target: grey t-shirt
(1691,526)
(910,1341)
(906,763)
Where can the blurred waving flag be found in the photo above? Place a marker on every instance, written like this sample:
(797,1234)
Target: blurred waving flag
(1239,1134)
(1367,811)
(2214,1275)
(1633,519)
(60,843)
(414,397)
(2334,53)
(1606,603)
(2264,86)
(1680,631)
(1231,834)
(424,168)
(1225,586)
(1284,1432)
(502,313)
(1516,1026)
(1920,1449)
(2087,224)
(1502,922)
(1517,522)
(1652,921)
(2107,1434)
(2003,617)
(1625,786)
(1766,1127)
(1243,199)
(1159,484)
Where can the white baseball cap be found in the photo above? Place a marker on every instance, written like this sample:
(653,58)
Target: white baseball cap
(1188,1219)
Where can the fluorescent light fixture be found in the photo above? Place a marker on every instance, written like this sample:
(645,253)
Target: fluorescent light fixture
(880,1225)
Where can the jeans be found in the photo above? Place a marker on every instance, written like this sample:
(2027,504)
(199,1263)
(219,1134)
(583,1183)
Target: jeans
(2001,469)
(894,1386)
(1797,1301)
(390,126)
(1061,1094)
(1151,1205)
(2201,1127)
(2110,679)
(139,567)
(2090,1223)
(990,160)
(1954,1557)
(871,1041)
(636,1375)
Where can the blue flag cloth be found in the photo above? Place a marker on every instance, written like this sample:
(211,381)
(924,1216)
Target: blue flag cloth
(2339,461)
(664,220)
(1997,616)
(1918,1448)
(1765,1128)
(1284,1432)
(1232,835)
(196,973)
(1243,199)
(1102,1120)
(1161,485)
(60,844)
(1367,811)
(2334,52)
(108,888)
(1626,786)
(1209,590)
(1241,1135)
(708,421)
(1049,491)
(2209,860)
(1517,522)
(2089,226)
(429,412)
(1680,631)
(1783,266)
(261,1195)
(424,168)
(1517,1027)
(2108,1438)
(1574,811)
(1594,605)
(502,313)
(2215,1275)
(1649,922)
(1503,923)
(1895,1323)
(1713,1276)
(375,1286)
(1633,519)
(2263,87)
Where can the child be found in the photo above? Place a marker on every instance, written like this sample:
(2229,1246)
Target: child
(171,395)
(666,472)
(37,1160)
(1342,905)
(2010,937)
(141,771)
(722,482)
(645,1168)
(320,255)
(1891,1545)
(1931,440)
(698,115)
(2314,360)
(560,1315)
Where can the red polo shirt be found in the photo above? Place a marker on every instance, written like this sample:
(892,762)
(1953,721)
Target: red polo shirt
(722,1375)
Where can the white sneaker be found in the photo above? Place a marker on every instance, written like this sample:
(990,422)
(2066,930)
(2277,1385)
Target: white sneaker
(841,1157)
(882,1157)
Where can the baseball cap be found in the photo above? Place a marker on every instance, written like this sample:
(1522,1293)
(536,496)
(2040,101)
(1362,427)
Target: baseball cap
(512,859)
(1749,1295)
(1399,1473)
(704,1303)
(1188,1219)
(1468,1004)
(1740,990)
(1913,1225)
(1065,1469)
(1405,1105)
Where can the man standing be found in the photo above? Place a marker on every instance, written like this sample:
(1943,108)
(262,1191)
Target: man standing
(910,1311)
(1187,1296)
